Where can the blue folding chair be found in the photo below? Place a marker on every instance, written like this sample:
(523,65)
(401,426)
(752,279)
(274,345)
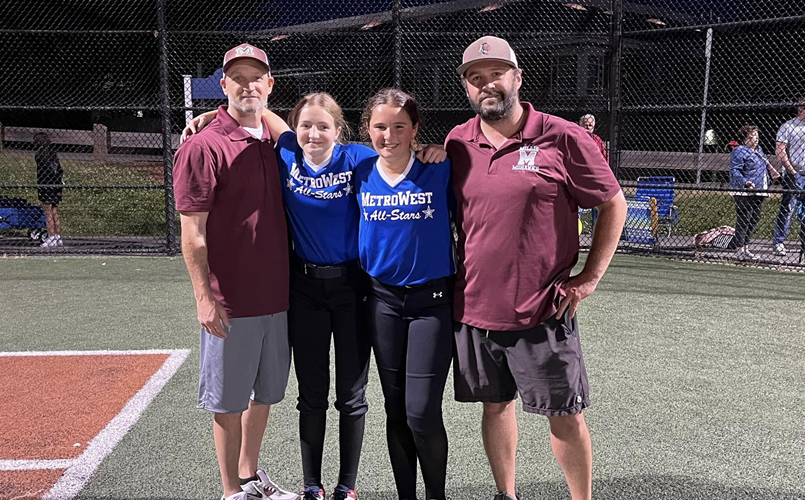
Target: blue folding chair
(661,188)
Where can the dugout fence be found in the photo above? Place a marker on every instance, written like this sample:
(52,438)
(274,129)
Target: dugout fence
(669,82)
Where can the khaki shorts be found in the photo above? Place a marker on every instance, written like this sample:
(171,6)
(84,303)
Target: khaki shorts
(543,364)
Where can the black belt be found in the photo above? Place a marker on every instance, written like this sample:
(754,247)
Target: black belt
(325,272)
(420,286)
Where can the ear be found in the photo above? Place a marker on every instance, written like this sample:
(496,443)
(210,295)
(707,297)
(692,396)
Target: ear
(518,77)
(338,134)
(270,85)
(416,130)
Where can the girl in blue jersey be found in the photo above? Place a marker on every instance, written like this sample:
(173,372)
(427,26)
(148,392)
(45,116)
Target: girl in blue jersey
(405,245)
(328,287)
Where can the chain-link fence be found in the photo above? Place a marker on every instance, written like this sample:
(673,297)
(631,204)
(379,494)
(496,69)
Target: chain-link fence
(105,88)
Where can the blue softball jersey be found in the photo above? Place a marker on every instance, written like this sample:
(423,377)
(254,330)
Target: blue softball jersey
(405,236)
(321,206)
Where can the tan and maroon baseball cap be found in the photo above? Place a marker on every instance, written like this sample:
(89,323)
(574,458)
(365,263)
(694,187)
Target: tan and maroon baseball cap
(244,51)
(487,48)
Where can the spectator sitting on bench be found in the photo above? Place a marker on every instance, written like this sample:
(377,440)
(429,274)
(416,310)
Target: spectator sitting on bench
(49,177)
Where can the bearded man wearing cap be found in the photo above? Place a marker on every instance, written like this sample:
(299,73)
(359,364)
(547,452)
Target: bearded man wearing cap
(520,177)
(234,243)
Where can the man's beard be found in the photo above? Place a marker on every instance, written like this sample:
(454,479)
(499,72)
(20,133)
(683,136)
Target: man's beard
(503,108)
(248,108)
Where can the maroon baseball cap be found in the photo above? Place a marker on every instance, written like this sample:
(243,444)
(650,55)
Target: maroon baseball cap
(245,51)
(487,48)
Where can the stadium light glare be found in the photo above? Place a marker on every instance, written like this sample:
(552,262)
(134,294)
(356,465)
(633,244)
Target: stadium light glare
(575,6)
(371,25)
(655,21)
(490,8)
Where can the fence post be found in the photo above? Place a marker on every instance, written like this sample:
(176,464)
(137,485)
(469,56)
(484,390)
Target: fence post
(396,22)
(100,142)
(708,48)
(616,55)
(167,148)
(1,137)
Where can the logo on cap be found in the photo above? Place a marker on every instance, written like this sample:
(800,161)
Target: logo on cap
(484,48)
(244,51)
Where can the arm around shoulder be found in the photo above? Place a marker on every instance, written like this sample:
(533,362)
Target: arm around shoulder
(276,125)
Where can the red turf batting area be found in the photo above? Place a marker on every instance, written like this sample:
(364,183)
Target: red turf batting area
(54,405)
(27,484)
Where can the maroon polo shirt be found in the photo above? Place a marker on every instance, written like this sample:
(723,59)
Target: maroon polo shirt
(225,171)
(518,217)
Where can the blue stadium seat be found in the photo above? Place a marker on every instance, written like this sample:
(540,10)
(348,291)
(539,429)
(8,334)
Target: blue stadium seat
(661,188)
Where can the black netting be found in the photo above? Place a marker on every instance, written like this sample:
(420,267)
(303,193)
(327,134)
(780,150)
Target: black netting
(670,83)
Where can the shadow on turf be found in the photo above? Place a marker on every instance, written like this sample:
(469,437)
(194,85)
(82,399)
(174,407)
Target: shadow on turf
(646,487)
(628,488)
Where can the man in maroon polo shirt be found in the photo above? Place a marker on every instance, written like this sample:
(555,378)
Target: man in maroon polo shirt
(234,242)
(519,177)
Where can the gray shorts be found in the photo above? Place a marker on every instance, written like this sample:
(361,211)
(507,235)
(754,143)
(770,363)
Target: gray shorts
(253,362)
(544,364)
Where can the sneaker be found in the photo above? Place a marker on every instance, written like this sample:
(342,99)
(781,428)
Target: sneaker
(240,496)
(50,241)
(779,250)
(313,493)
(265,488)
(59,242)
(344,494)
(745,254)
(502,495)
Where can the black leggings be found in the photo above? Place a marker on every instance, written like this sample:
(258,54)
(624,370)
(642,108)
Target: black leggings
(412,336)
(323,309)
(747,210)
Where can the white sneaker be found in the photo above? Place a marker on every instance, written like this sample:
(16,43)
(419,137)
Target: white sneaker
(59,242)
(779,249)
(241,496)
(266,488)
(50,241)
(745,254)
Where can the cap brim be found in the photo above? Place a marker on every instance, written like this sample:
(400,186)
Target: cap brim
(236,59)
(464,67)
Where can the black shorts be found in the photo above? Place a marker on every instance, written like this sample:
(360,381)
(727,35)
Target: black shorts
(50,195)
(543,364)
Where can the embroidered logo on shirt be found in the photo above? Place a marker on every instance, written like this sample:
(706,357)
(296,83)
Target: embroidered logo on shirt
(528,154)
(319,187)
(400,199)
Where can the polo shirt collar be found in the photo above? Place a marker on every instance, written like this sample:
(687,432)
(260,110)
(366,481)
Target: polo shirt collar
(531,129)
(233,129)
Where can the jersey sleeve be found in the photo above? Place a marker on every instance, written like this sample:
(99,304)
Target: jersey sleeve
(589,179)
(287,142)
(194,178)
(358,153)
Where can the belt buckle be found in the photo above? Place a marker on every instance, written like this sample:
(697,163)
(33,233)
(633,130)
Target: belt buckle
(310,266)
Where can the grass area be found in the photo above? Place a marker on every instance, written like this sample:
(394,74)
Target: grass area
(695,371)
(699,211)
(97,212)
(141,212)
